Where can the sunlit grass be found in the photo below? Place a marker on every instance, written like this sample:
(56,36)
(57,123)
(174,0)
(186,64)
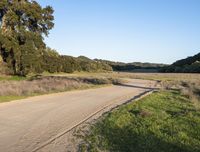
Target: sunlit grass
(163,121)
(12,78)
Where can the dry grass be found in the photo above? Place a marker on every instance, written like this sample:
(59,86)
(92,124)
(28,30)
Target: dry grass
(164,76)
(188,88)
(185,82)
(49,84)
(189,84)
(146,76)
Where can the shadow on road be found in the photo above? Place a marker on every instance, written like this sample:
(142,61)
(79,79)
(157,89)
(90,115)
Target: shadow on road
(134,86)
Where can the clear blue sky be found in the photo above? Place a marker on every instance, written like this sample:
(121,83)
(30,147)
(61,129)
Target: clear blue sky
(159,31)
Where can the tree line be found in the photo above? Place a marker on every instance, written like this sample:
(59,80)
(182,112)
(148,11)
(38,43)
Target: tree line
(53,62)
(134,66)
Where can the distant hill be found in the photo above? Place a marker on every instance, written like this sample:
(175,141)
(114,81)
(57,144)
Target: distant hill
(84,58)
(134,66)
(188,65)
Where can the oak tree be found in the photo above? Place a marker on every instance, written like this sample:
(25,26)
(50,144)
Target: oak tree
(23,24)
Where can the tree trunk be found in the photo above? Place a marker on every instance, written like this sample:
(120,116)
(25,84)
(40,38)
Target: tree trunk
(5,30)
(3,25)
(13,62)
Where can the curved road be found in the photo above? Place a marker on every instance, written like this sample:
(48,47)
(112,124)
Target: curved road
(27,124)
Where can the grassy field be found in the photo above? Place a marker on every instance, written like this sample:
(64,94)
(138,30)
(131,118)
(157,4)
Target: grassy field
(14,87)
(165,121)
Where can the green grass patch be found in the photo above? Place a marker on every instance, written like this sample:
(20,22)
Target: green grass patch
(12,78)
(10,98)
(161,122)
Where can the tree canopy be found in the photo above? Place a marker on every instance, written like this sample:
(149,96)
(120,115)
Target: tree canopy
(23,23)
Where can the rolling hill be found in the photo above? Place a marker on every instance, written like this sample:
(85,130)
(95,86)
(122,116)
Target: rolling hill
(188,65)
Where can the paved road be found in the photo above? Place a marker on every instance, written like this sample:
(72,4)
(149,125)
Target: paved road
(27,124)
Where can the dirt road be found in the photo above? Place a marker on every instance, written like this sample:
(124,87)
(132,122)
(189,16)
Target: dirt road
(28,124)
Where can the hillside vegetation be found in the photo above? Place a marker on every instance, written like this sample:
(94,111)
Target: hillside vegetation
(134,66)
(187,65)
(69,64)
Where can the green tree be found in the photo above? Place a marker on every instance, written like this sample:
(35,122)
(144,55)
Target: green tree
(51,60)
(23,23)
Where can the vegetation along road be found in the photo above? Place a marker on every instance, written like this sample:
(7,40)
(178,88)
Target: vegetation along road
(29,124)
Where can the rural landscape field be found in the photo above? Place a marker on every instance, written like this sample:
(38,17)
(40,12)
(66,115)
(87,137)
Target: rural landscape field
(99,76)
